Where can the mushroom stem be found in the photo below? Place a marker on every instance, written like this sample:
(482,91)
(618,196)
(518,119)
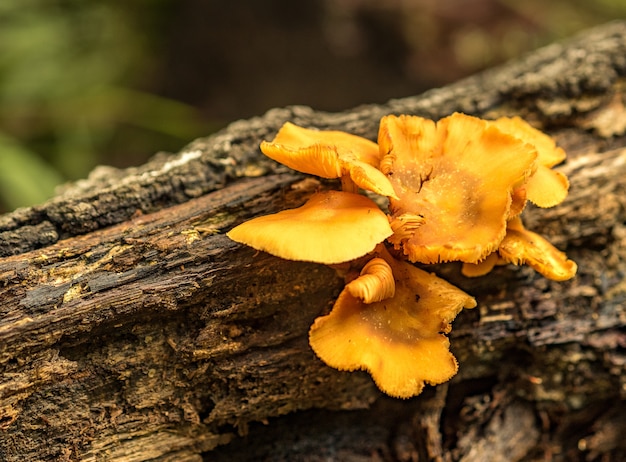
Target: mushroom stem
(348,184)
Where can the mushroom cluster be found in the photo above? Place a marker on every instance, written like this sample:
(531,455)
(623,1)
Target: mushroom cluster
(456,190)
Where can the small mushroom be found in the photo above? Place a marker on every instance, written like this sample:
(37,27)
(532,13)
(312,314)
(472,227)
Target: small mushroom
(330,154)
(375,282)
(332,227)
(454,181)
(521,246)
(400,340)
(546,187)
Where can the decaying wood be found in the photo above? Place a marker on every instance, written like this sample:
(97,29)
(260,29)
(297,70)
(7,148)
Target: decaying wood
(132,328)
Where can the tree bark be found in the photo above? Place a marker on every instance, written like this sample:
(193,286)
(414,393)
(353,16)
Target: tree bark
(132,328)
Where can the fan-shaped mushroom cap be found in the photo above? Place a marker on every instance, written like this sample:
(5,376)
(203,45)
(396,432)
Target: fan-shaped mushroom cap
(400,341)
(521,246)
(332,227)
(329,154)
(456,178)
(545,188)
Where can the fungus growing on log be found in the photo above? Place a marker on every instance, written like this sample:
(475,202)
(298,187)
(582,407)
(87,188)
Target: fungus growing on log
(546,187)
(521,246)
(456,190)
(399,340)
(330,154)
(332,227)
(457,175)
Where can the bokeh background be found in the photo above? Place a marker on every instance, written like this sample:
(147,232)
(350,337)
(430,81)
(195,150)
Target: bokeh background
(114,81)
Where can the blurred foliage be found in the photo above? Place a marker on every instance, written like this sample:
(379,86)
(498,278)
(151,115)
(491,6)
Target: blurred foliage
(82,83)
(24,177)
(67,73)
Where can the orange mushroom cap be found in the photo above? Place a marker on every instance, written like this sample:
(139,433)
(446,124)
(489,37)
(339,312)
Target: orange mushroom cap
(455,178)
(400,341)
(332,227)
(521,246)
(545,188)
(329,154)
(473,270)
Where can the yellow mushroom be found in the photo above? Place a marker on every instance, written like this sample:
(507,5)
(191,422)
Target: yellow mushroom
(454,181)
(400,340)
(473,270)
(375,282)
(456,191)
(521,246)
(546,187)
(330,154)
(332,227)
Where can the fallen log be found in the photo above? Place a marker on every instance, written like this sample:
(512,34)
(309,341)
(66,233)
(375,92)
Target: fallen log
(132,328)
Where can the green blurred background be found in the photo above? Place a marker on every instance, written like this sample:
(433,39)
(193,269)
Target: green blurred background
(112,82)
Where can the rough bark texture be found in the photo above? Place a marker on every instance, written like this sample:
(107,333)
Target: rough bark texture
(132,328)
